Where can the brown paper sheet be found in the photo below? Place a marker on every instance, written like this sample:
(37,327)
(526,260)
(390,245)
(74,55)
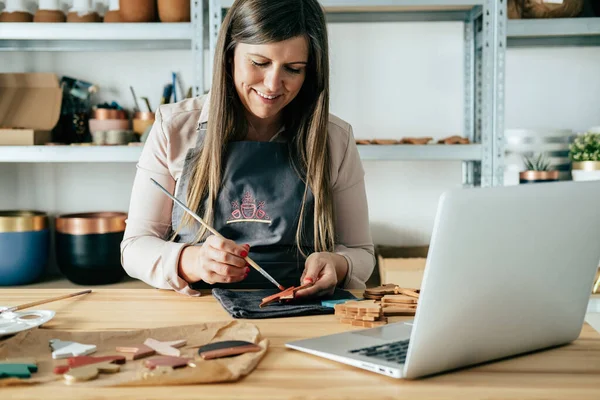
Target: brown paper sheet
(35,343)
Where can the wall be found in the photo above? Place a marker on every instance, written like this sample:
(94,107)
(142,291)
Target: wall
(388,80)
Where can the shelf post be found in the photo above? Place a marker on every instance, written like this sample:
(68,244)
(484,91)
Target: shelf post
(197,47)
(215,20)
(491,116)
(471,169)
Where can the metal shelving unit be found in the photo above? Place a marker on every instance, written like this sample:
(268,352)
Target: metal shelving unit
(484,46)
(554,32)
(129,154)
(484,50)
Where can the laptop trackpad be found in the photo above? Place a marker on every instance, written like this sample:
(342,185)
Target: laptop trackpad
(397,331)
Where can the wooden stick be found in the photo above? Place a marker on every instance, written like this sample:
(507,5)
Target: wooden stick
(37,303)
(216,233)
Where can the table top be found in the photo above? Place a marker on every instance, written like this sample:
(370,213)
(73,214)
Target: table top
(571,371)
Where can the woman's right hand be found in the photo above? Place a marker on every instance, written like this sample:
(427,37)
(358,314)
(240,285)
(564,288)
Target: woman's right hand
(218,260)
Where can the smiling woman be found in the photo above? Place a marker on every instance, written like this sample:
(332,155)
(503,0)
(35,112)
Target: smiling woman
(262,160)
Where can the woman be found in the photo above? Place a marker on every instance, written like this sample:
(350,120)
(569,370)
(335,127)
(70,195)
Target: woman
(262,161)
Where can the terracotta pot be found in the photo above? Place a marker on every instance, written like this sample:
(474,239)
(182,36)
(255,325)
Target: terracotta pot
(112,16)
(174,10)
(49,16)
(137,10)
(17,16)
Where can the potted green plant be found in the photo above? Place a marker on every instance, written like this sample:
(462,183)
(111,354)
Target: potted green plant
(537,169)
(584,153)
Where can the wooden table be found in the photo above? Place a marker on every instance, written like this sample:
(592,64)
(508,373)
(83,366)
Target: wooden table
(568,372)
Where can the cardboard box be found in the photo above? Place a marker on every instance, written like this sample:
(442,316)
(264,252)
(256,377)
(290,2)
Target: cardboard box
(30,105)
(403,266)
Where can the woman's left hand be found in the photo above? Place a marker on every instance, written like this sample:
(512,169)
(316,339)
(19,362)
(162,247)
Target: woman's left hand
(325,270)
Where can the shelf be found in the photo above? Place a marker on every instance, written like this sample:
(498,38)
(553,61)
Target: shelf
(94,36)
(554,32)
(131,154)
(69,154)
(394,10)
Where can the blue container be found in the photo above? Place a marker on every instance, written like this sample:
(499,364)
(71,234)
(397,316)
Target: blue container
(24,246)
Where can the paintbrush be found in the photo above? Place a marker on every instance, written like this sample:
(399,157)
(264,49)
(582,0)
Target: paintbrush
(37,303)
(216,233)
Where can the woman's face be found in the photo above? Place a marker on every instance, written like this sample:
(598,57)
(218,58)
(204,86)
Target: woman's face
(268,77)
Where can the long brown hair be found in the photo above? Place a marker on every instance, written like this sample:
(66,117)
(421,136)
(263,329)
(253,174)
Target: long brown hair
(260,22)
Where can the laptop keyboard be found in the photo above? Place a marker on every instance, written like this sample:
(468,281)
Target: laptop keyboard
(391,352)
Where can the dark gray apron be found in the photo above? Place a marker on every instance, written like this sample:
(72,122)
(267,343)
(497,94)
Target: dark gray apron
(259,203)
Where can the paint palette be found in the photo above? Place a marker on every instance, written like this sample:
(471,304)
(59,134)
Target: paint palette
(18,321)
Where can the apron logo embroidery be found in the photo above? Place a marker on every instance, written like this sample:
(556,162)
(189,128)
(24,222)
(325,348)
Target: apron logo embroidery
(249,211)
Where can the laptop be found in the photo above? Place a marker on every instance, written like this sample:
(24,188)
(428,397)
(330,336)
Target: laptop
(509,271)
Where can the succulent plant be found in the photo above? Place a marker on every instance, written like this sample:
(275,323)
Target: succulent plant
(539,163)
(585,147)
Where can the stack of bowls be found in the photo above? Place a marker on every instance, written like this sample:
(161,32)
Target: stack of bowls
(88,247)
(110,127)
(24,246)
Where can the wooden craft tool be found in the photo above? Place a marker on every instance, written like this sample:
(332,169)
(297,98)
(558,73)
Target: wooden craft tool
(398,298)
(82,361)
(227,348)
(216,233)
(165,348)
(285,295)
(37,303)
(136,352)
(407,292)
(64,349)
(17,370)
(90,372)
(167,361)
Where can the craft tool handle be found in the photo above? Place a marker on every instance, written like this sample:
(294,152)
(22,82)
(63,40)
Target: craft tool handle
(36,303)
(216,233)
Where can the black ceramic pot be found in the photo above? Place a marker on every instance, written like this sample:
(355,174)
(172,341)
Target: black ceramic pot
(88,247)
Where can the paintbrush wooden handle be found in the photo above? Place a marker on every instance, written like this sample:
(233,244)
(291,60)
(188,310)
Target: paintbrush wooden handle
(37,303)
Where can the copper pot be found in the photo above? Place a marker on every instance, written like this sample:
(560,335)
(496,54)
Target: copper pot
(91,223)
(137,10)
(144,115)
(174,10)
(112,16)
(108,113)
(17,16)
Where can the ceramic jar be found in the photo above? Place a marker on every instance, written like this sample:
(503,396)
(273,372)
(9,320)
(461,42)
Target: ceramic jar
(113,14)
(88,247)
(174,10)
(16,11)
(82,11)
(137,10)
(24,246)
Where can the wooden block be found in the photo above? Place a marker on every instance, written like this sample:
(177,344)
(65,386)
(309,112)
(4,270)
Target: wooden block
(67,349)
(390,311)
(82,361)
(408,292)
(17,370)
(356,322)
(346,320)
(398,298)
(369,324)
(384,141)
(166,361)
(136,352)
(165,348)
(416,140)
(381,290)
